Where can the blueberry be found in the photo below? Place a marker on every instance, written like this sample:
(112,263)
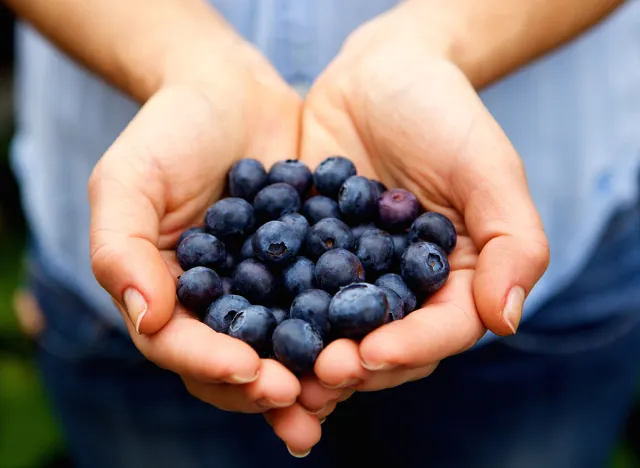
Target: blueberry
(201,249)
(375,251)
(247,248)
(197,288)
(188,232)
(230,217)
(227,286)
(296,344)
(397,209)
(276,200)
(397,284)
(338,268)
(292,172)
(358,230)
(400,244)
(313,306)
(378,188)
(229,264)
(396,306)
(425,267)
(275,243)
(298,276)
(357,200)
(357,310)
(331,174)
(435,228)
(221,313)
(298,222)
(246,178)
(254,325)
(280,315)
(319,207)
(328,234)
(254,281)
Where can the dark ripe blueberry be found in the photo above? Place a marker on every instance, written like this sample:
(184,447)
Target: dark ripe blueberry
(201,249)
(188,232)
(320,207)
(357,310)
(400,244)
(246,178)
(247,248)
(375,251)
(397,209)
(253,280)
(378,188)
(275,243)
(397,284)
(358,230)
(254,325)
(435,228)
(292,172)
(425,267)
(298,276)
(230,218)
(328,234)
(280,315)
(313,306)
(296,345)
(227,286)
(298,223)
(331,174)
(197,288)
(275,201)
(338,268)
(357,200)
(221,313)
(396,306)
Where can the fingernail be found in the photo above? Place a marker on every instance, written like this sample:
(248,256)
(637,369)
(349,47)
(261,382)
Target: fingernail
(317,412)
(135,306)
(345,384)
(323,420)
(237,379)
(376,367)
(298,455)
(268,404)
(512,312)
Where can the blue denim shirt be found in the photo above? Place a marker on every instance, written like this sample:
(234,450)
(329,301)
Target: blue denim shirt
(574,117)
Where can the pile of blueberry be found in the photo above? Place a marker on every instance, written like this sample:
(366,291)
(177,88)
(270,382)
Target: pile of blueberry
(292,260)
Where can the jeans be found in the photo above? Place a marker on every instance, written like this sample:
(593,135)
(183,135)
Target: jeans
(549,397)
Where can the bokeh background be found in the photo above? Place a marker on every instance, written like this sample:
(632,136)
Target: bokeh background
(29,436)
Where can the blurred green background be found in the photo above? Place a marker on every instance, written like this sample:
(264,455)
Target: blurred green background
(29,437)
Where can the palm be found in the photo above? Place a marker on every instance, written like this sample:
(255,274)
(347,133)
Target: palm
(421,127)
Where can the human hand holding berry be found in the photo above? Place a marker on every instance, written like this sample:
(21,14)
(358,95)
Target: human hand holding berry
(406,114)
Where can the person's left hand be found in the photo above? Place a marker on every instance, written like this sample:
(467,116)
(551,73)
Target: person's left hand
(395,104)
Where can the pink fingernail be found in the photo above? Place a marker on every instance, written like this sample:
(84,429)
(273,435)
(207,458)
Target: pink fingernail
(376,367)
(298,455)
(345,384)
(135,306)
(512,313)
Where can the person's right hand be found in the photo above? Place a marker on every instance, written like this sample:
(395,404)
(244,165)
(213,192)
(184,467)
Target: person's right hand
(158,179)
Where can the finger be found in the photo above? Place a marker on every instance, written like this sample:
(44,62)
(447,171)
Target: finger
(447,325)
(188,347)
(382,380)
(275,387)
(330,408)
(339,365)
(504,224)
(124,230)
(299,430)
(314,397)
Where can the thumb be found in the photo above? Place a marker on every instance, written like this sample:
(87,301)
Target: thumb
(123,237)
(504,224)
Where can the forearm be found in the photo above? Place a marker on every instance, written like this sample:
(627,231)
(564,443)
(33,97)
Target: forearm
(136,45)
(491,38)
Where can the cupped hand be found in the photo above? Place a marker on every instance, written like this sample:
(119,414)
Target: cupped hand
(394,103)
(159,177)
